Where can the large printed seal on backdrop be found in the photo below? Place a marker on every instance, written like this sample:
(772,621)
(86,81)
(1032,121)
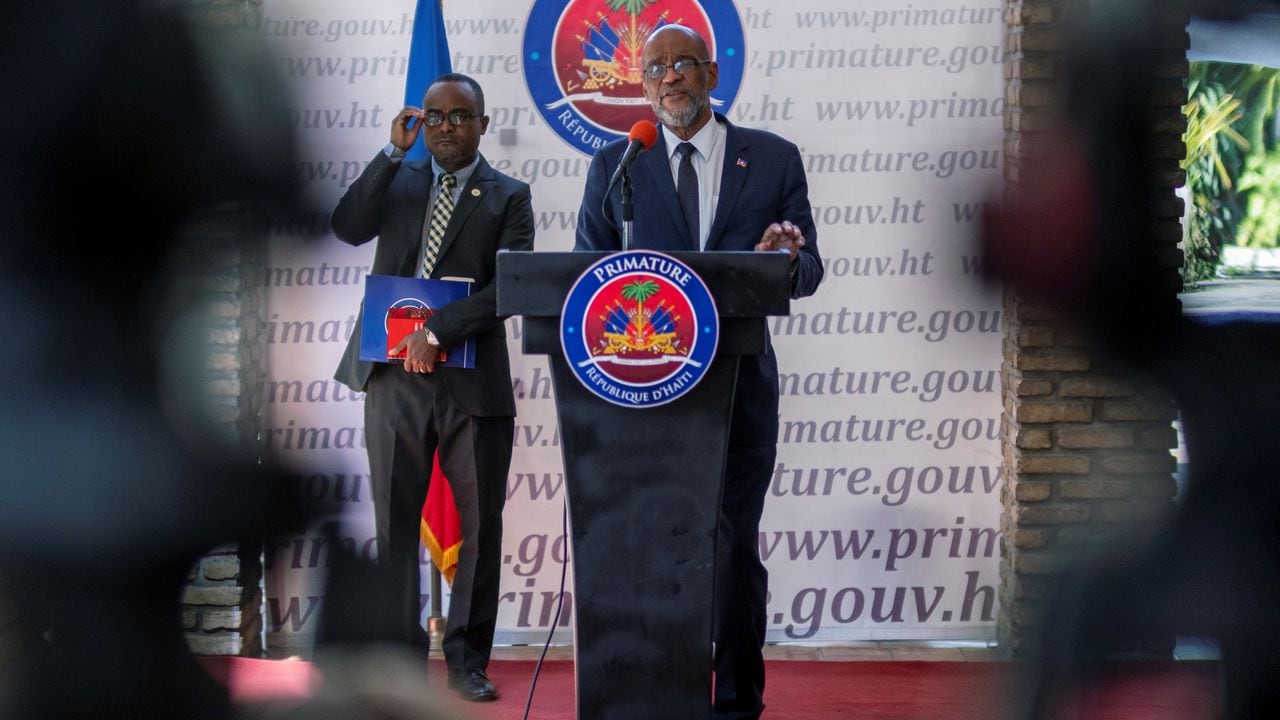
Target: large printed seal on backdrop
(582,61)
(639,329)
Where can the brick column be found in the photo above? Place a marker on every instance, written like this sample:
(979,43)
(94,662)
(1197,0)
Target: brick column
(1086,461)
(222,603)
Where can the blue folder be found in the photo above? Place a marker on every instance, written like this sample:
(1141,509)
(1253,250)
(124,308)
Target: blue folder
(390,297)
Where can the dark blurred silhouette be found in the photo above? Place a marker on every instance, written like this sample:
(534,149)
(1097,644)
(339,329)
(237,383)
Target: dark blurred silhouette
(1214,570)
(118,125)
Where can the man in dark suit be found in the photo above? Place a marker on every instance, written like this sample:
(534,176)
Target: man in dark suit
(446,216)
(762,205)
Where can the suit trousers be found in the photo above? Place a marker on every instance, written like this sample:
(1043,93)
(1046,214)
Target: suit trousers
(741,584)
(407,417)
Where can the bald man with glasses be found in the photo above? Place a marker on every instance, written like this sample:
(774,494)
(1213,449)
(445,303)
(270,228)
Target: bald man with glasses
(712,186)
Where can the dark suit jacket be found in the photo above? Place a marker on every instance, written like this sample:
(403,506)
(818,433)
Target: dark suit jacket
(763,182)
(389,201)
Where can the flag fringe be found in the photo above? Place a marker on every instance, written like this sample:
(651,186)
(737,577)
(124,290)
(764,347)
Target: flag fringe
(446,559)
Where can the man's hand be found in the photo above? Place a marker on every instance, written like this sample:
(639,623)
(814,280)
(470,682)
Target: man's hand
(420,355)
(402,136)
(781,236)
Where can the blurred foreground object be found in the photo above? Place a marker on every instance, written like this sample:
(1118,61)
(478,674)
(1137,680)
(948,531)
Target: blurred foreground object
(119,126)
(377,682)
(1080,235)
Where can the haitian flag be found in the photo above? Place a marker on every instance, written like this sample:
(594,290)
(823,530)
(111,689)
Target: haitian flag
(441,528)
(428,60)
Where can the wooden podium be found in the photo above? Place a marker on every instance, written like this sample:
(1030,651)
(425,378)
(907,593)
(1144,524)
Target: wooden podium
(643,488)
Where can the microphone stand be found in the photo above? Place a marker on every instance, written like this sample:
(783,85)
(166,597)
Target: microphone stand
(628,209)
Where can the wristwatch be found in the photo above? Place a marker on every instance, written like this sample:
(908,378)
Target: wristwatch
(431,338)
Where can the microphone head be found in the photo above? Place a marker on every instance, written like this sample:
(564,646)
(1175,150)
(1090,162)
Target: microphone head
(644,131)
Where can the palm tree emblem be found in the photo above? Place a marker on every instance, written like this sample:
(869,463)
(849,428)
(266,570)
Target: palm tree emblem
(639,291)
(634,35)
(639,328)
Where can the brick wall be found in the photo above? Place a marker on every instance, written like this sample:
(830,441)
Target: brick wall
(222,602)
(1086,461)
(220,261)
(223,599)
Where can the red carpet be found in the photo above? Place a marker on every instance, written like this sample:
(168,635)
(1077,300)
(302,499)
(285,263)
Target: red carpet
(902,690)
(250,680)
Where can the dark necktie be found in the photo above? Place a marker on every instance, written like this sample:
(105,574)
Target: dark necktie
(687,190)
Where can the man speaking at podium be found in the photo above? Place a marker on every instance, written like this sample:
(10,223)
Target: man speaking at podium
(709,185)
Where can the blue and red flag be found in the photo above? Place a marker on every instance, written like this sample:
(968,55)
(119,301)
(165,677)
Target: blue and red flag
(441,528)
(428,59)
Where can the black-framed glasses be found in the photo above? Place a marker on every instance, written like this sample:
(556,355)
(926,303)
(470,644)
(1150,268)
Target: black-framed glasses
(456,117)
(683,66)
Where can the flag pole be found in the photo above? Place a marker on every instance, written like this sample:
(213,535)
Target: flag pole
(428,59)
(435,621)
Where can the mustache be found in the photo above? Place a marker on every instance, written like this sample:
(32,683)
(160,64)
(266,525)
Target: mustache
(685,116)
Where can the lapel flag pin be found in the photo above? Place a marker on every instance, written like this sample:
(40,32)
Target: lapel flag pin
(742,163)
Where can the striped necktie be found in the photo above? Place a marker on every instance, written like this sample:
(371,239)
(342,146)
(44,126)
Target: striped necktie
(439,222)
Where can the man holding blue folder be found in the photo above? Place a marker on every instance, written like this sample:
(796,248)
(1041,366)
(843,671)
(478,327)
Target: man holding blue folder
(446,216)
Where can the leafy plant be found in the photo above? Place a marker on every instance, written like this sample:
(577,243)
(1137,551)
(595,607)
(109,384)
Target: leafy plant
(1210,116)
(1260,227)
(1231,135)
(1210,143)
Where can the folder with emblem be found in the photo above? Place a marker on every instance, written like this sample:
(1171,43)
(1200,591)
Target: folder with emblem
(395,306)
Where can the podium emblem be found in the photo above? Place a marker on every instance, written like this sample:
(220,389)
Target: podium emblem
(582,61)
(639,329)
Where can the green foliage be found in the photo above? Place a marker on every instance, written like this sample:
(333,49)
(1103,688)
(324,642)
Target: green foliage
(632,7)
(1231,135)
(1260,227)
(1210,136)
(1211,145)
(1256,86)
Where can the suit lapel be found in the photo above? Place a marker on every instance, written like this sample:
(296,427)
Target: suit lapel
(658,164)
(419,197)
(733,176)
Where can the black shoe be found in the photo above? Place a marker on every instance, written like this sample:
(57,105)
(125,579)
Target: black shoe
(473,685)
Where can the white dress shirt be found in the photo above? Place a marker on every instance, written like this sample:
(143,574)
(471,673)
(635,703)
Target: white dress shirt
(708,161)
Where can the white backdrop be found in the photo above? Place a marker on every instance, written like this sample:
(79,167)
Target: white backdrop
(883,518)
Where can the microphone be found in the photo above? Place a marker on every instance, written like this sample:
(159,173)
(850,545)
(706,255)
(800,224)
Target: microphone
(642,137)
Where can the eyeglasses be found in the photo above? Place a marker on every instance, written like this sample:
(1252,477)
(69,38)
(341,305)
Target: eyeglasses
(434,118)
(683,66)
